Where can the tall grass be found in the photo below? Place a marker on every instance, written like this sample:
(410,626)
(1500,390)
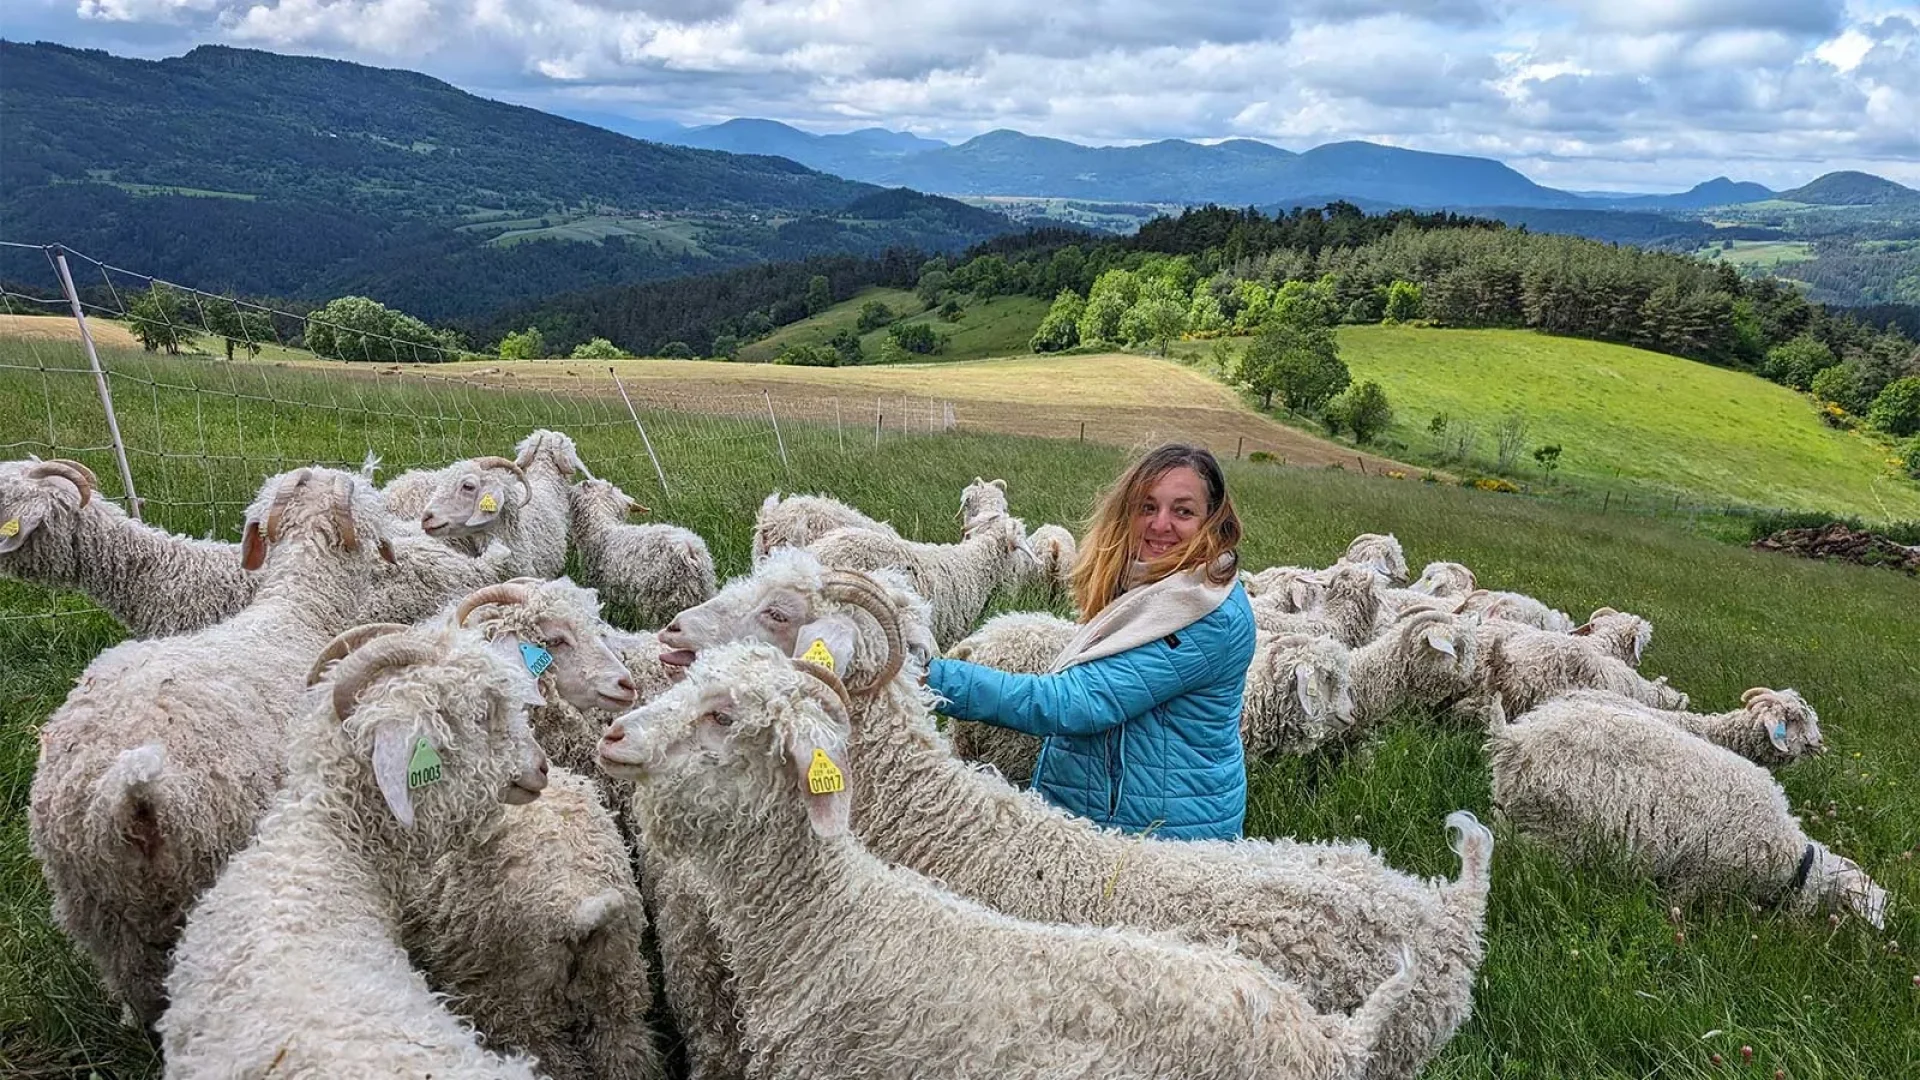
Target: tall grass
(1584,977)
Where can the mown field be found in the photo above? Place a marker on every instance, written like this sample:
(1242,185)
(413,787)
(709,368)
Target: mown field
(1000,326)
(1585,975)
(1628,421)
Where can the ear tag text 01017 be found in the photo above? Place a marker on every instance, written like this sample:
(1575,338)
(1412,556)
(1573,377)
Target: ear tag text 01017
(424,767)
(818,653)
(823,776)
(537,659)
(488,502)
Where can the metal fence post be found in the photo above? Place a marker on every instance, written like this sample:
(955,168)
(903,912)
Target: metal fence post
(100,382)
(777,440)
(658,472)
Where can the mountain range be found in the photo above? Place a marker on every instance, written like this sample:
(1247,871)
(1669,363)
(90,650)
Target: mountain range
(1234,172)
(305,177)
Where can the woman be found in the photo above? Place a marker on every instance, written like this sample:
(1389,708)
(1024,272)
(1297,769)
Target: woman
(1141,713)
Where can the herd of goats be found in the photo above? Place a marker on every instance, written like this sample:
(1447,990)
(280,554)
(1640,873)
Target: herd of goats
(377,791)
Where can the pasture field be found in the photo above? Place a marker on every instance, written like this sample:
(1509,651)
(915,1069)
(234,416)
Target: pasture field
(1627,420)
(1760,254)
(1585,977)
(996,327)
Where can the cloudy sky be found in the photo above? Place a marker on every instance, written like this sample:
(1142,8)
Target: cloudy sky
(1619,94)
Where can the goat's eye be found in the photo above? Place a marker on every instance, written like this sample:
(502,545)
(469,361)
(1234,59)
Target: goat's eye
(776,615)
(719,718)
(468,485)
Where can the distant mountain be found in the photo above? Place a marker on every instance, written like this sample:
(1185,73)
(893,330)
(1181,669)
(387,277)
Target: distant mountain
(664,131)
(304,177)
(1718,191)
(1851,189)
(853,154)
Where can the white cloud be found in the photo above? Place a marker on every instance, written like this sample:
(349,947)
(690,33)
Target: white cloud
(1576,92)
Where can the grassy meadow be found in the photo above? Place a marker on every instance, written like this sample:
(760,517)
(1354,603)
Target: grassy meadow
(1585,977)
(1632,421)
(1000,326)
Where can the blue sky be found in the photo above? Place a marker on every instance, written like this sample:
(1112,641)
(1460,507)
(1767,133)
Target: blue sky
(1622,94)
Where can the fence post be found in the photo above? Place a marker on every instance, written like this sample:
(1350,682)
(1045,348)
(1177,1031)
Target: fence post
(1606,502)
(777,440)
(658,472)
(1239,446)
(839,430)
(100,383)
(1363,464)
(876,423)
(1083,431)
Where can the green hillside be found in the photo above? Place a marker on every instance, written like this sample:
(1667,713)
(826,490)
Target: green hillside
(1629,418)
(1000,326)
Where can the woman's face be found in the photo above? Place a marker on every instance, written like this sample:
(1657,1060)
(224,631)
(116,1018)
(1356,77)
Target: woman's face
(1171,513)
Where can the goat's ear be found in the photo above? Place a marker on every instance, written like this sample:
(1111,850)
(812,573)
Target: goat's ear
(1297,595)
(393,751)
(1303,688)
(1583,630)
(487,506)
(253,548)
(386,551)
(1440,638)
(817,758)
(15,528)
(828,642)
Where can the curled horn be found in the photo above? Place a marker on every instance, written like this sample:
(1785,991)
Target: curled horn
(359,667)
(846,586)
(1600,613)
(511,466)
(343,513)
(1758,691)
(340,646)
(506,592)
(71,471)
(282,495)
(829,680)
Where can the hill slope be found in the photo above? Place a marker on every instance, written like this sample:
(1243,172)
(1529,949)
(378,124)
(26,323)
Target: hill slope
(1851,189)
(1628,419)
(302,176)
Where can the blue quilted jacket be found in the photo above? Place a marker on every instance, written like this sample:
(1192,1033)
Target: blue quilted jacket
(1147,739)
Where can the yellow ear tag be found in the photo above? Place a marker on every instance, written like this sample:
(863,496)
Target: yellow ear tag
(12,528)
(823,776)
(817,653)
(488,502)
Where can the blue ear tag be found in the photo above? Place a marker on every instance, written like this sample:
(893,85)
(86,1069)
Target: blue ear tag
(1780,731)
(537,659)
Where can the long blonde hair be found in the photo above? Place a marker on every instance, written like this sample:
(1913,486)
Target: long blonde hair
(1107,554)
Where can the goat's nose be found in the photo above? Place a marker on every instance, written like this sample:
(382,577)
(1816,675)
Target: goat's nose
(625,684)
(614,734)
(543,766)
(672,627)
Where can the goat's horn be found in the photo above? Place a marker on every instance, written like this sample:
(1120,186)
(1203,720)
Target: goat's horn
(511,466)
(72,471)
(505,592)
(359,667)
(1758,691)
(282,495)
(343,513)
(526,581)
(847,586)
(340,646)
(1601,612)
(830,680)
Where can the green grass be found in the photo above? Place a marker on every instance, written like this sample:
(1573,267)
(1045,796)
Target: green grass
(1761,254)
(1583,977)
(672,237)
(1000,326)
(1642,424)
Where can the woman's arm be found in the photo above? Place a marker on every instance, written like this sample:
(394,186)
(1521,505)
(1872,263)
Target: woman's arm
(1083,699)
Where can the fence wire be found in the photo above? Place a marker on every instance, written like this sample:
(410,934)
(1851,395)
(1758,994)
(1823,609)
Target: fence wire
(213,394)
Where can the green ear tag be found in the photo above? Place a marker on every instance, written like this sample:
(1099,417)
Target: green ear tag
(424,768)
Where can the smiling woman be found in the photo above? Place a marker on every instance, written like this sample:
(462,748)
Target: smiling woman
(1141,712)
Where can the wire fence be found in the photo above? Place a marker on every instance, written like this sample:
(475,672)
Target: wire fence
(183,401)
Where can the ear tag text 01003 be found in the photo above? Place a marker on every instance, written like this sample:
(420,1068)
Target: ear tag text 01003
(424,767)
(818,653)
(537,659)
(823,776)
(11,528)
(488,502)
